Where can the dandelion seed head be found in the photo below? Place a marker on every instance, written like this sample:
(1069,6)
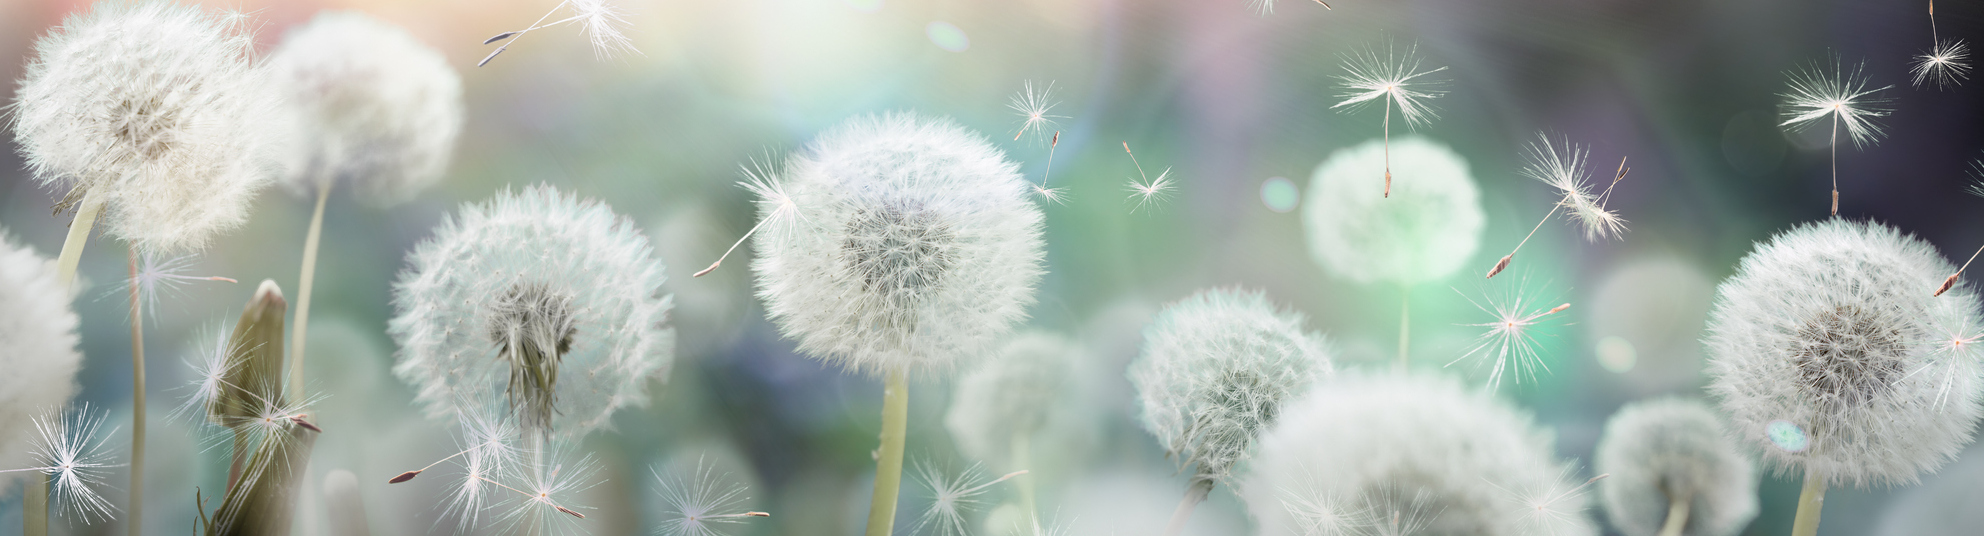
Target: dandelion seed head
(1671,449)
(1424,232)
(1215,370)
(1565,171)
(1010,395)
(1416,449)
(1369,76)
(913,246)
(41,359)
(1823,327)
(1820,93)
(535,300)
(157,110)
(372,106)
(1946,64)
(71,450)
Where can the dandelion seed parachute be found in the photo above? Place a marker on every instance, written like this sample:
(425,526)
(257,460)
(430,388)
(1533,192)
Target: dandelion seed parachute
(1010,396)
(155,110)
(1429,227)
(912,246)
(1826,327)
(1667,450)
(1455,460)
(537,297)
(371,105)
(39,330)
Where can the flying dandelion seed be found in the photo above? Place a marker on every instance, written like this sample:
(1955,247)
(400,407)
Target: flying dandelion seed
(1947,63)
(1509,345)
(1034,108)
(69,450)
(1552,507)
(1565,172)
(1321,514)
(1147,191)
(951,499)
(1051,195)
(777,207)
(1956,345)
(599,20)
(210,369)
(542,499)
(701,505)
(1368,77)
(1820,91)
(155,275)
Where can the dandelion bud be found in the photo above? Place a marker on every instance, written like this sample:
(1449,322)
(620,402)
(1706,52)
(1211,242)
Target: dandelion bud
(253,370)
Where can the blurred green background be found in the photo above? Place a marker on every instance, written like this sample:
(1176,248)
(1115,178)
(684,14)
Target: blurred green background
(1224,96)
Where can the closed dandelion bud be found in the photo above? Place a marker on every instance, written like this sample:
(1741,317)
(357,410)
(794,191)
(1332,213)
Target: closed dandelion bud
(372,106)
(1010,396)
(154,109)
(38,330)
(1829,358)
(537,300)
(1672,450)
(1429,226)
(251,376)
(1216,369)
(912,246)
(1398,454)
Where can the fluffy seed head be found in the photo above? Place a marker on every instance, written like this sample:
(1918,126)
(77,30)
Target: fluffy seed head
(1820,91)
(911,246)
(1216,369)
(39,331)
(1826,329)
(1425,231)
(158,111)
(1667,450)
(538,298)
(1415,449)
(372,106)
(1010,395)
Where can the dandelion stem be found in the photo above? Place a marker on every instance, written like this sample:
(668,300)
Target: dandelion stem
(1044,174)
(1835,163)
(1388,147)
(137,505)
(1023,457)
(1201,486)
(1404,325)
(1810,501)
(79,235)
(888,458)
(34,506)
(1677,516)
(303,284)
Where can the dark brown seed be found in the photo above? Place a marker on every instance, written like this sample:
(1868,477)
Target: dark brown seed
(1499,265)
(403,477)
(1947,283)
(499,37)
(569,511)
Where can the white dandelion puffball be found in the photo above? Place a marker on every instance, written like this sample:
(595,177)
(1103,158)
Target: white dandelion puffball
(1366,451)
(1830,354)
(1671,449)
(372,106)
(903,243)
(1011,395)
(156,109)
(539,299)
(1215,370)
(1428,228)
(38,329)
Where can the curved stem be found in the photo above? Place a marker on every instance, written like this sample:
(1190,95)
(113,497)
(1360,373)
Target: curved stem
(888,458)
(79,235)
(34,505)
(303,285)
(1810,501)
(1201,486)
(137,504)
(1677,516)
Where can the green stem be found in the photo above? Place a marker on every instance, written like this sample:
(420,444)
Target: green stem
(1201,486)
(79,235)
(1810,502)
(303,285)
(888,459)
(34,505)
(137,504)
(1677,516)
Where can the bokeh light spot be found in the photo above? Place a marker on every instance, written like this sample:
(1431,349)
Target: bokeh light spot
(865,6)
(1787,436)
(947,36)
(1279,194)
(1616,354)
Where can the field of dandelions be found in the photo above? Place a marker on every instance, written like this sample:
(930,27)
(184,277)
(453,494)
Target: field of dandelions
(1037,267)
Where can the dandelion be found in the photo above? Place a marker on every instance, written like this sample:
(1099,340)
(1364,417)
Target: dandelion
(601,22)
(1321,514)
(1674,471)
(996,407)
(1976,188)
(41,358)
(1820,92)
(1509,344)
(1215,370)
(542,501)
(1817,328)
(1034,109)
(1051,195)
(1420,454)
(155,275)
(1425,235)
(1146,190)
(1368,77)
(73,461)
(1947,62)
(953,498)
(913,247)
(778,207)
(1566,172)
(537,297)
(701,507)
